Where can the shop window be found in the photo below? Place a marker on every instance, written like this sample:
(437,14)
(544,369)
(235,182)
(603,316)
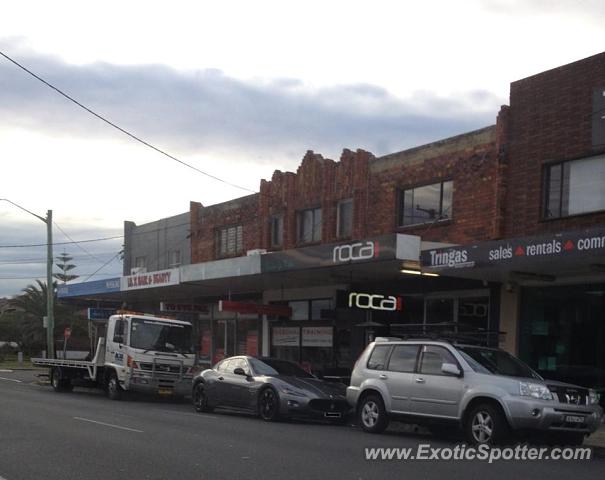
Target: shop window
(426,204)
(310,309)
(140,262)
(229,241)
(309,225)
(277,231)
(574,187)
(344,219)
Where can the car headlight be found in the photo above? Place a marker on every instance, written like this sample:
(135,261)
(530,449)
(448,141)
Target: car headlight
(593,396)
(293,391)
(535,390)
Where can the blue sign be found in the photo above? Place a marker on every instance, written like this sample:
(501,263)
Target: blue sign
(100,313)
(95,287)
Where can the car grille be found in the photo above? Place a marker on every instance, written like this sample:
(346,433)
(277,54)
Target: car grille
(161,368)
(570,395)
(325,405)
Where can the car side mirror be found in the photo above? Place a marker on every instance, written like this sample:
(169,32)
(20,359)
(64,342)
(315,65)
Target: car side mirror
(451,369)
(240,371)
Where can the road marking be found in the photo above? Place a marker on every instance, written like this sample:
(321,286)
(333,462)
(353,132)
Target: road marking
(108,424)
(10,380)
(5,371)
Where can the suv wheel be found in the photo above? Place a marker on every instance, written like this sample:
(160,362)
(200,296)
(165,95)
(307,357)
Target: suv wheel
(485,424)
(372,415)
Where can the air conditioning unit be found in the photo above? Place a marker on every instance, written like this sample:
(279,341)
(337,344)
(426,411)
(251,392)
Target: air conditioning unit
(137,270)
(256,251)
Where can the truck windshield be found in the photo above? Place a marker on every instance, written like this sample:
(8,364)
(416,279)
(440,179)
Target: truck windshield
(497,362)
(160,336)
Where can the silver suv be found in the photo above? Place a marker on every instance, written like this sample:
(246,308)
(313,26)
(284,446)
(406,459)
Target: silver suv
(486,391)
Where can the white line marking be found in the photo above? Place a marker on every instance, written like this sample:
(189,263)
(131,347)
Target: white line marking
(5,371)
(108,424)
(10,380)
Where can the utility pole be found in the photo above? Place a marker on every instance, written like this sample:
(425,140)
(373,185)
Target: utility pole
(50,293)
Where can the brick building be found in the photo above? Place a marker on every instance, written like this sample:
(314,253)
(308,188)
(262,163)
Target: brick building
(485,231)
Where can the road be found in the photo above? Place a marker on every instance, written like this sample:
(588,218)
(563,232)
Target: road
(83,435)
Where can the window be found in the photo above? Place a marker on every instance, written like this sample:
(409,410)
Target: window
(309,225)
(277,230)
(426,204)
(239,363)
(300,310)
(403,358)
(378,358)
(118,331)
(175,258)
(574,187)
(140,262)
(229,241)
(309,309)
(433,358)
(344,218)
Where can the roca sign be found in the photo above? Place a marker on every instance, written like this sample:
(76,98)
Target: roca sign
(354,252)
(369,301)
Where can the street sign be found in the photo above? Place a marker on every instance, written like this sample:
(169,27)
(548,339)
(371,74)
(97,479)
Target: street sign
(67,332)
(100,313)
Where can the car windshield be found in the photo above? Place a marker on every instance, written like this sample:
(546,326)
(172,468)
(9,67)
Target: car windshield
(272,367)
(497,362)
(160,336)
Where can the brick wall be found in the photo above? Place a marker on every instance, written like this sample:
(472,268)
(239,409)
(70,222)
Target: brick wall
(551,117)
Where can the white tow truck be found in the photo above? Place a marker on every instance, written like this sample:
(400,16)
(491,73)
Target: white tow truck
(141,352)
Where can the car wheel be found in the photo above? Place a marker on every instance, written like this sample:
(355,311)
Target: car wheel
(486,425)
(268,405)
(114,391)
(372,415)
(200,400)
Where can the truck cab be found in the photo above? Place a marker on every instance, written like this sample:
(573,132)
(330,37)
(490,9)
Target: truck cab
(148,354)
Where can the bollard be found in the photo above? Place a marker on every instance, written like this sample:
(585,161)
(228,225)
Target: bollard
(20,358)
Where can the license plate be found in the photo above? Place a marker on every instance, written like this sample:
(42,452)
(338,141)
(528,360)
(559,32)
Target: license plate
(164,391)
(332,414)
(574,419)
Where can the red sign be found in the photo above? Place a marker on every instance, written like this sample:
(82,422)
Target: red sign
(259,309)
(67,332)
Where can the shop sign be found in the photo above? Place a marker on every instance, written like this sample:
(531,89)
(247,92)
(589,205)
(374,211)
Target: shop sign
(161,278)
(285,336)
(372,301)
(317,336)
(254,308)
(183,307)
(95,287)
(518,250)
(100,313)
(354,252)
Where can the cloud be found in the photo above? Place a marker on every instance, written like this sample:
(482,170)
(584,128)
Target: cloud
(192,112)
(593,10)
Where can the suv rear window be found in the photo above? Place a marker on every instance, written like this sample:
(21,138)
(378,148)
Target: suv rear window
(378,358)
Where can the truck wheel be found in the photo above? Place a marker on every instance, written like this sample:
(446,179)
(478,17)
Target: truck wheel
(200,400)
(486,424)
(57,381)
(372,415)
(114,391)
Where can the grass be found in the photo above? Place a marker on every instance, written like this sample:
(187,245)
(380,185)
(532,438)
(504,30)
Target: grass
(8,361)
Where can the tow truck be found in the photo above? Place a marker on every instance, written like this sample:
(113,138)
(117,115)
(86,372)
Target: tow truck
(142,353)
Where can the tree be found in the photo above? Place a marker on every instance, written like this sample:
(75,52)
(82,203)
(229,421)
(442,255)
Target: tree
(25,324)
(65,266)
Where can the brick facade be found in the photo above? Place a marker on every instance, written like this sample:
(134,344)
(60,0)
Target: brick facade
(497,175)
(551,117)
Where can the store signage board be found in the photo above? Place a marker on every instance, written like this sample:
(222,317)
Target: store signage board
(109,285)
(517,251)
(183,307)
(369,301)
(254,308)
(100,313)
(161,278)
(285,336)
(317,336)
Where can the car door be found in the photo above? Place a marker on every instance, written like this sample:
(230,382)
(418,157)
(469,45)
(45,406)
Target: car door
(216,388)
(399,375)
(240,385)
(433,392)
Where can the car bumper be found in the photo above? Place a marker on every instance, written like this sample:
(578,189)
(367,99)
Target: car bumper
(524,414)
(326,408)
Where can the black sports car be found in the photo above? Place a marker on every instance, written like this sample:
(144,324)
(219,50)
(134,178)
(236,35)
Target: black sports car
(269,387)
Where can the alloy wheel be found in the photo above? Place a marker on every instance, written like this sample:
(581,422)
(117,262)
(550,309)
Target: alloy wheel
(370,414)
(482,427)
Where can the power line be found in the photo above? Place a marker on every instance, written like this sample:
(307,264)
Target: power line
(125,132)
(77,244)
(102,266)
(62,243)
(44,276)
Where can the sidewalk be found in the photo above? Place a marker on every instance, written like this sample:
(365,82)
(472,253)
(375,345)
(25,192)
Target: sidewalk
(597,439)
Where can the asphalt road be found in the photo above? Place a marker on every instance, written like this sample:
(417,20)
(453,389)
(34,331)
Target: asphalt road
(83,435)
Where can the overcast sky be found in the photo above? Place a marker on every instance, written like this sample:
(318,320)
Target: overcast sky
(239,89)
